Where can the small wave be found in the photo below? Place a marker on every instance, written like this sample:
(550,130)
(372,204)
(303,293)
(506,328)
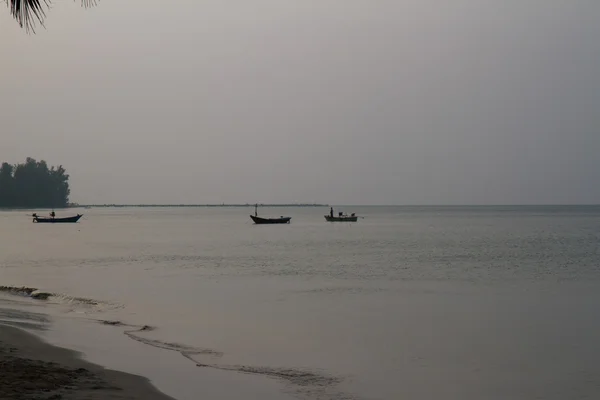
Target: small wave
(308,384)
(146,328)
(186,351)
(304,384)
(296,376)
(33,293)
(22,291)
(64,298)
(41,295)
(59,298)
(113,323)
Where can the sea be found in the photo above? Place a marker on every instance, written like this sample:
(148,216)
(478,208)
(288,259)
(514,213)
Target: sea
(415,303)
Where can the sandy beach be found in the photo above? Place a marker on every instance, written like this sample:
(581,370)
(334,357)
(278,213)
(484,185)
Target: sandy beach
(33,369)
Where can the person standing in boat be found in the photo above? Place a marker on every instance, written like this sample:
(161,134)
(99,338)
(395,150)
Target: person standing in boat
(52,214)
(331,212)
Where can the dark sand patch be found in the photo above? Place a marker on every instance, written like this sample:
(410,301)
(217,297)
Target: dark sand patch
(32,369)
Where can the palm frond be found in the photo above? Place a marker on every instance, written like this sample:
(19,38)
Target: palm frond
(88,3)
(28,13)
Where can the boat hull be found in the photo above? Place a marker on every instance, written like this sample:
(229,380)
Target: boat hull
(260,221)
(329,218)
(48,220)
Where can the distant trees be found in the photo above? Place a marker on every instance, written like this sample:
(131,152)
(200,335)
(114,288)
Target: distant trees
(33,185)
(27,12)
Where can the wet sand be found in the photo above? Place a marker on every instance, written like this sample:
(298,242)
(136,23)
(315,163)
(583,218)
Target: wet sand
(33,369)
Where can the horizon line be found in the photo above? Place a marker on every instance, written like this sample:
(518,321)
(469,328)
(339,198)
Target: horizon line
(108,205)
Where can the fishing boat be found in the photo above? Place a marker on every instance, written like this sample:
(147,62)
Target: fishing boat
(54,220)
(259,220)
(341,217)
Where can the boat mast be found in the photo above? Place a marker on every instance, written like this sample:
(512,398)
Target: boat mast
(54,196)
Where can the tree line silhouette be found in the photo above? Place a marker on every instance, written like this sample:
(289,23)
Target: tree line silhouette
(33,184)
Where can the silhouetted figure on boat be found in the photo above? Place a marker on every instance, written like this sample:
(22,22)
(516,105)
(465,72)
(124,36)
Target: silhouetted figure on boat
(51,219)
(341,216)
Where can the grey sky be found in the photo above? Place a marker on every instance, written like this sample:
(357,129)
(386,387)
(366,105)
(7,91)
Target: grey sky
(339,101)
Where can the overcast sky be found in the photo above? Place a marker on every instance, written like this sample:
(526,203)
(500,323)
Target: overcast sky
(336,101)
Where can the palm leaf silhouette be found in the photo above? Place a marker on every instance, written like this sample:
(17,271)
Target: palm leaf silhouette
(28,13)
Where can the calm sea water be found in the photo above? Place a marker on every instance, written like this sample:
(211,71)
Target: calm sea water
(407,303)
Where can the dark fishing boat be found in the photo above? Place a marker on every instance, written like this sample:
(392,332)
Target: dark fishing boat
(259,220)
(344,218)
(280,220)
(341,217)
(53,220)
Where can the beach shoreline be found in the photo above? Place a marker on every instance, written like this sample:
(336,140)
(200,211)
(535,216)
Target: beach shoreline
(32,368)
